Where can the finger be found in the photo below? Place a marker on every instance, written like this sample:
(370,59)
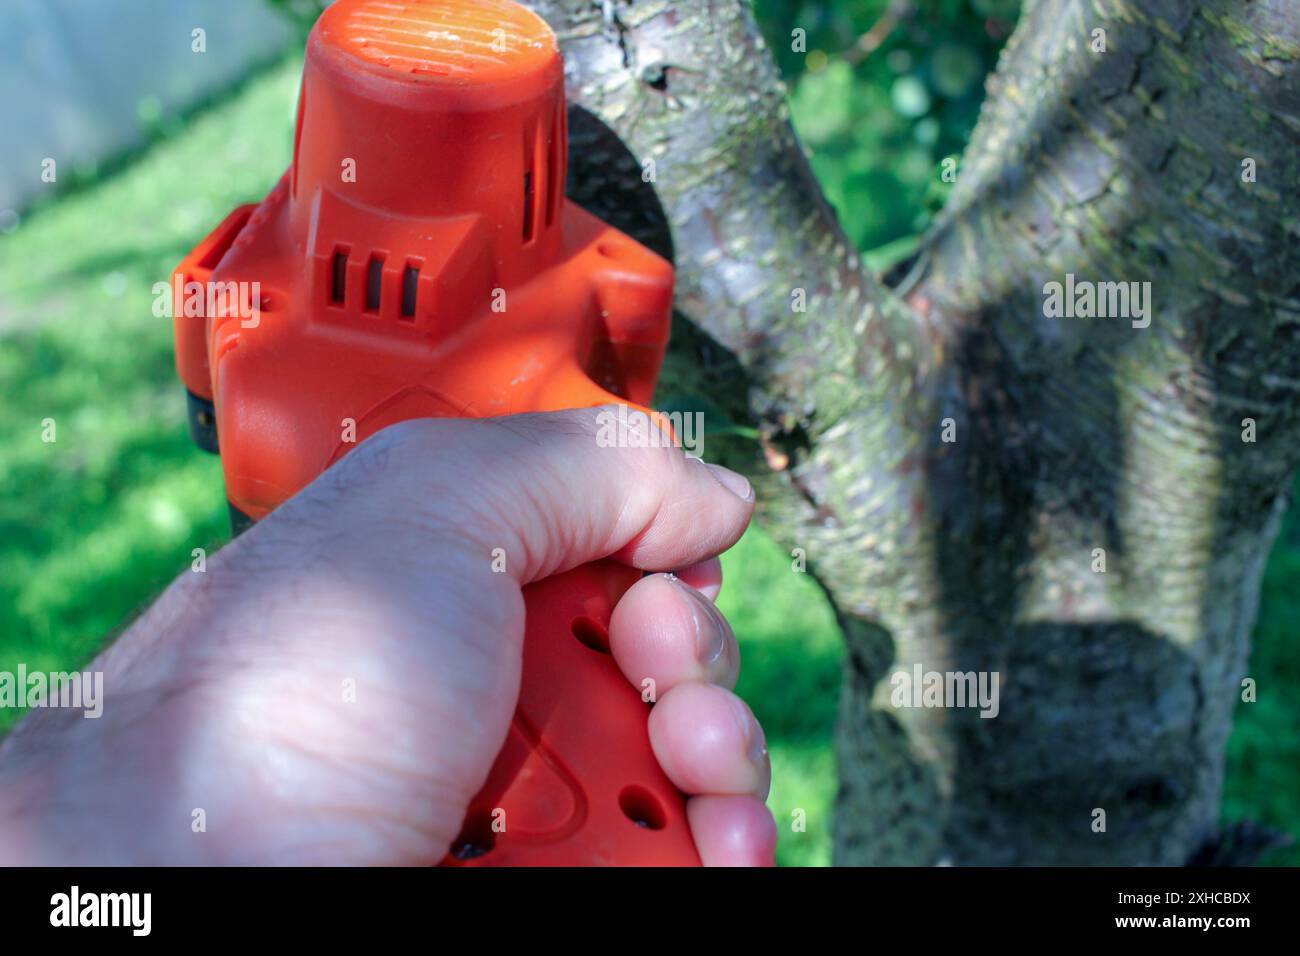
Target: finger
(705,577)
(668,631)
(707,740)
(732,831)
(559,489)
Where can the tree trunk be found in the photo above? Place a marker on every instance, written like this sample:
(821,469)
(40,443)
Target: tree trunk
(1064,435)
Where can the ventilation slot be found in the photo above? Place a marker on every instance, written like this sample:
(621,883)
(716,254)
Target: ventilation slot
(410,283)
(374,276)
(528,206)
(339,277)
(555,167)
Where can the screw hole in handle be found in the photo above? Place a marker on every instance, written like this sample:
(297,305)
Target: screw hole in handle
(591,633)
(642,807)
(476,837)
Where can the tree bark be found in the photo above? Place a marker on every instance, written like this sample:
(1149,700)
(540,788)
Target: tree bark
(1071,434)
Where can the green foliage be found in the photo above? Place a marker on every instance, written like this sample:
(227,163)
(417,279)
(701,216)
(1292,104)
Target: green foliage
(303,13)
(879,124)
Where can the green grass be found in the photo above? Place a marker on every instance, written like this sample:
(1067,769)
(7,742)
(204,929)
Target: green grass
(790,674)
(93,525)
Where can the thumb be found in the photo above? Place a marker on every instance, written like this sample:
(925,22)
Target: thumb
(560,489)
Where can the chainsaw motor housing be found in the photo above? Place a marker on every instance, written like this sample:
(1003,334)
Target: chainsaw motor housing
(418,259)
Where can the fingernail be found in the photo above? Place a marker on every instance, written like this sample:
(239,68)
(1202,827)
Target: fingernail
(710,634)
(755,742)
(737,484)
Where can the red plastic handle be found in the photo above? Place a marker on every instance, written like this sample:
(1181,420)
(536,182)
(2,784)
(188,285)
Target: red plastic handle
(419,259)
(576,783)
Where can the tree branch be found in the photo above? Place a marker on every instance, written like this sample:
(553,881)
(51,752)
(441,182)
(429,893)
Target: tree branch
(1072,434)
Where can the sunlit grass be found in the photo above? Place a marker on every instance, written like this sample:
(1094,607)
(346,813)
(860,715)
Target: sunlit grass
(95,523)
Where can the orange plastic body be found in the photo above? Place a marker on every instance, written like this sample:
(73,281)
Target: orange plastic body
(419,259)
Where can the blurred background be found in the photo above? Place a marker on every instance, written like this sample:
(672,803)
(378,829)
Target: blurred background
(154,140)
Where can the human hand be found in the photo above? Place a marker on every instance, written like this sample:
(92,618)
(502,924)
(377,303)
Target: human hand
(226,696)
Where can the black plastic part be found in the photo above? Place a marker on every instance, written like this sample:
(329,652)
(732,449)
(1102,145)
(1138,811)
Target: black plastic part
(203,429)
(202,419)
(239,522)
